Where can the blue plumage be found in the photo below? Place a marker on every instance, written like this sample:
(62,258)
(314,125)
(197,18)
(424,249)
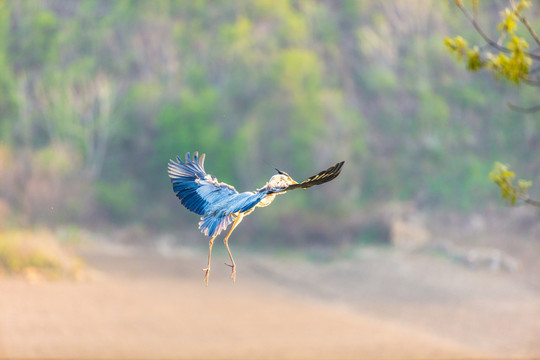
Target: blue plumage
(202,194)
(220,204)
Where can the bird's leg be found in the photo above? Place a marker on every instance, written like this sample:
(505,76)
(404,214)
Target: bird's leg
(226,241)
(207,270)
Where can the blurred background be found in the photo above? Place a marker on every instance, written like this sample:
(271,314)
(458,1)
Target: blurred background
(410,253)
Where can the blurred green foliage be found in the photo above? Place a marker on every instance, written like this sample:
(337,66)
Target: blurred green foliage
(123,86)
(507,59)
(511,61)
(503,177)
(36,253)
(116,200)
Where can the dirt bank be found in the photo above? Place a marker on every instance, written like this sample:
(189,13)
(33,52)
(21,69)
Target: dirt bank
(141,305)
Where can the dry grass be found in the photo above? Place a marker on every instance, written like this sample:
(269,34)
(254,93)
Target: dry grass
(37,254)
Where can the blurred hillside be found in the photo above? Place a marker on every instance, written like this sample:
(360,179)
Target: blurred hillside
(98,95)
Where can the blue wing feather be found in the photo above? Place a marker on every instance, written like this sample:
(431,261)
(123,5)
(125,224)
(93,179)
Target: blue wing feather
(202,194)
(196,189)
(221,215)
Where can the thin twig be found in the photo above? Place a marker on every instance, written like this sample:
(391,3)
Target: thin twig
(530,201)
(533,81)
(490,41)
(531,30)
(473,21)
(529,110)
(525,22)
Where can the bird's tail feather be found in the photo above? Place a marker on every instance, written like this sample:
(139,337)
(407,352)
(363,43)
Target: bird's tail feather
(212,225)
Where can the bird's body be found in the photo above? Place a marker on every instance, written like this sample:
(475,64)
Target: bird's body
(220,204)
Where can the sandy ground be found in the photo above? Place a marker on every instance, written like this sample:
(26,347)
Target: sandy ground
(378,304)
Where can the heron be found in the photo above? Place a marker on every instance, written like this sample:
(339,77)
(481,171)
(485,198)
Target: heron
(221,205)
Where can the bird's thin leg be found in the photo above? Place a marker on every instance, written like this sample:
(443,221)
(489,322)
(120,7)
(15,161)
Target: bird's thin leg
(207,270)
(226,241)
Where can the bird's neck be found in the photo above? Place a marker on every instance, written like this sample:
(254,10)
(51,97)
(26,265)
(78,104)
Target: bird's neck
(267,200)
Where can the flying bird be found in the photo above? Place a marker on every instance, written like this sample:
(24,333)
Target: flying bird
(221,205)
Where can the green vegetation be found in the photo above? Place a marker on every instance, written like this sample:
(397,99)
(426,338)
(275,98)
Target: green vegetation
(98,95)
(503,177)
(511,60)
(36,253)
(507,58)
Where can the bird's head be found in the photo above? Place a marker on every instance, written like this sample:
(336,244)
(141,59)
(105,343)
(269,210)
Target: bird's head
(280,181)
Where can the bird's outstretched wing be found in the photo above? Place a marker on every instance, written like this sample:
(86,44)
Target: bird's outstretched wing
(201,193)
(196,189)
(324,176)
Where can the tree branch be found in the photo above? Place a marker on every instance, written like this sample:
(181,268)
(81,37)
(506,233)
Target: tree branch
(532,81)
(525,22)
(529,110)
(530,201)
(494,44)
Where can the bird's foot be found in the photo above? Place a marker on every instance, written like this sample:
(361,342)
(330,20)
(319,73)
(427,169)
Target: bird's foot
(233,268)
(206,275)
